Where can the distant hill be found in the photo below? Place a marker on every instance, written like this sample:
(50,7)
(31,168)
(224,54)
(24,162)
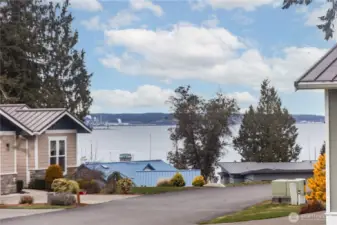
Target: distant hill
(167,118)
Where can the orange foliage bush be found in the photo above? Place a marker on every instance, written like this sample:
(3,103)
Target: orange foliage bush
(317,182)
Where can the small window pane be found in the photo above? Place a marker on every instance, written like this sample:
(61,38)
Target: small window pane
(62,162)
(62,147)
(52,160)
(52,148)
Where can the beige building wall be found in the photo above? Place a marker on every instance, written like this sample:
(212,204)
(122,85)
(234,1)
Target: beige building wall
(43,144)
(31,153)
(21,161)
(7,155)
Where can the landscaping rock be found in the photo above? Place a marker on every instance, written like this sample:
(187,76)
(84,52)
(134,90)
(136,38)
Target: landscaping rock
(214,185)
(63,199)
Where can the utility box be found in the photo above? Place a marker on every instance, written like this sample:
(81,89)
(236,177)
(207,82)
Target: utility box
(280,191)
(279,188)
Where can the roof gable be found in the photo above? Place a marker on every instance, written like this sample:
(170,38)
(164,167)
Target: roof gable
(36,121)
(323,71)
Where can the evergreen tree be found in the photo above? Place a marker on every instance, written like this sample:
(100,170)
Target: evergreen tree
(328,20)
(267,133)
(20,48)
(40,65)
(323,149)
(247,138)
(203,127)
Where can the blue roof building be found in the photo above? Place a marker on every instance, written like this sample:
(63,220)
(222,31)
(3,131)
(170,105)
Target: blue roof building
(129,169)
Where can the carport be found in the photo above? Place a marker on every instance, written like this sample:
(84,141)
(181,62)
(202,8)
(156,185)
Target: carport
(323,75)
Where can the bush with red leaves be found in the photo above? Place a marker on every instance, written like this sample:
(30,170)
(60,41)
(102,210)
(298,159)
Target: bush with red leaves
(311,207)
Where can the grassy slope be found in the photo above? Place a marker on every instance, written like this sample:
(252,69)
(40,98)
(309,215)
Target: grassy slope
(264,210)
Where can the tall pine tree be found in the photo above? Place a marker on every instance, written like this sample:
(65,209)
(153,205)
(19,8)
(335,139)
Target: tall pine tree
(267,133)
(40,65)
(21,47)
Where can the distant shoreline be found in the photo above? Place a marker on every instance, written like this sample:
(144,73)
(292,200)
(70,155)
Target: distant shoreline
(166,119)
(102,127)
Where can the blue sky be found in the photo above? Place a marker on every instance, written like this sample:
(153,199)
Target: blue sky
(141,50)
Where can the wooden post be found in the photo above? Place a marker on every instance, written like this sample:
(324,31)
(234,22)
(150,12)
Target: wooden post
(78,198)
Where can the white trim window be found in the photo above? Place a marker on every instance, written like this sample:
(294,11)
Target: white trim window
(58,151)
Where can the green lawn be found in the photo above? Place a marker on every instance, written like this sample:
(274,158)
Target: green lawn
(158,190)
(264,210)
(38,206)
(248,183)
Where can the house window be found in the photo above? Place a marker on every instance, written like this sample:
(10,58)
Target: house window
(57,151)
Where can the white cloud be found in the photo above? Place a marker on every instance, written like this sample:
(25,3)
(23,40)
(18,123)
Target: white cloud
(146,96)
(94,23)
(212,21)
(247,5)
(243,97)
(207,54)
(138,5)
(87,5)
(312,16)
(122,18)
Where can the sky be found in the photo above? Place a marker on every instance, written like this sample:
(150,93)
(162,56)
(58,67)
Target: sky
(139,51)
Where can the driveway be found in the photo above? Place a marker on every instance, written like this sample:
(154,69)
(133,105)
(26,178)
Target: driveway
(179,208)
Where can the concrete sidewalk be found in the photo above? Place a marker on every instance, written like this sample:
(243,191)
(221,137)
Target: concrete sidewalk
(41,197)
(305,219)
(15,213)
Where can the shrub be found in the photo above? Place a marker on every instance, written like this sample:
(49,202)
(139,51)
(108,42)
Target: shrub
(26,199)
(37,184)
(64,185)
(19,186)
(90,186)
(124,185)
(53,172)
(111,186)
(164,182)
(318,182)
(311,207)
(64,199)
(178,180)
(198,181)
(75,187)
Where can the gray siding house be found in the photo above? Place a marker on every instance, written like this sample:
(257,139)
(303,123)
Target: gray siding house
(238,172)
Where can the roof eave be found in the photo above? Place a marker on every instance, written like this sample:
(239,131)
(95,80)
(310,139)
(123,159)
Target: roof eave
(315,85)
(16,123)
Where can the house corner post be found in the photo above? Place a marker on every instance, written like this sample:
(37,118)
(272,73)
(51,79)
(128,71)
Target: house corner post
(331,155)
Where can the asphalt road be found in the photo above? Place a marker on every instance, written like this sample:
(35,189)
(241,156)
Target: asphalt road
(180,208)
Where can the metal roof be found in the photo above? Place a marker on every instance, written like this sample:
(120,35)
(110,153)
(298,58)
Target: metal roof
(322,73)
(129,169)
(35,121)
(268,167)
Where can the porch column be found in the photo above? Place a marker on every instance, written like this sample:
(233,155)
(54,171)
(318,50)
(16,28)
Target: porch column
(331,155)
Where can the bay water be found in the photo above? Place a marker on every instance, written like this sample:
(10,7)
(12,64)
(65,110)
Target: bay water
(153,142)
